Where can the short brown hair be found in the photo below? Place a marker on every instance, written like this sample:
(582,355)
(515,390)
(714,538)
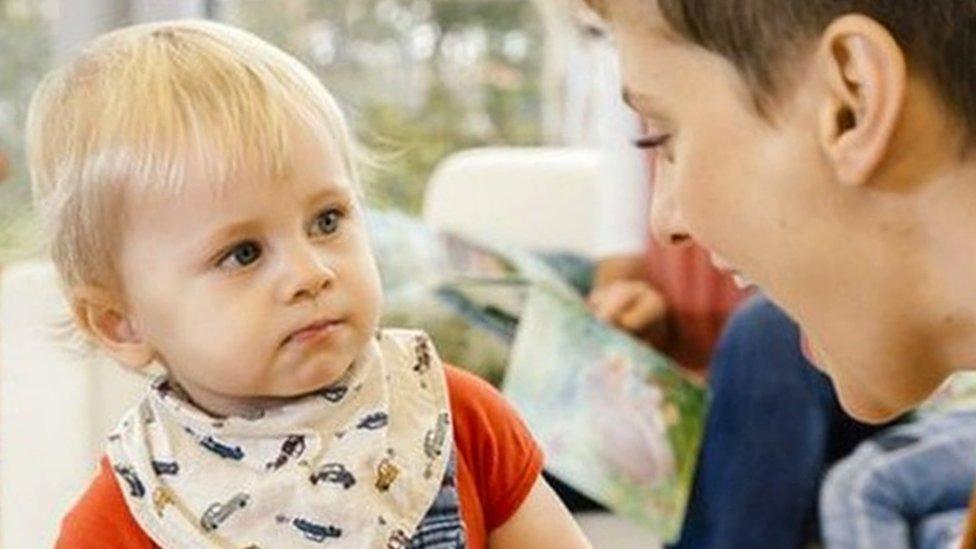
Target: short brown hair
(758,37)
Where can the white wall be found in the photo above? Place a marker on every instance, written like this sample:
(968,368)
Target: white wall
(78,21)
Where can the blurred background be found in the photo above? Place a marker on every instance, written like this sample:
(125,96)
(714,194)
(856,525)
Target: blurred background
(419,79)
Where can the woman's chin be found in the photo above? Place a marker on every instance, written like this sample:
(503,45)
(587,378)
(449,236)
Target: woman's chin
(867,409)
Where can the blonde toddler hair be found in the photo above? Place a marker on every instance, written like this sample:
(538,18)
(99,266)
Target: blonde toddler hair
(138,105)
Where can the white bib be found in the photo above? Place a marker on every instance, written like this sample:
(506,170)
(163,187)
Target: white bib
(357,464)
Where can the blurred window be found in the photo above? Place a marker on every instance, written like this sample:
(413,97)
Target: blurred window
(24,40)
(419,79)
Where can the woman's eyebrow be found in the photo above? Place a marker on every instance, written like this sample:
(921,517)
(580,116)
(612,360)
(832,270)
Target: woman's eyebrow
(645,105)
(639,102)
(629,98)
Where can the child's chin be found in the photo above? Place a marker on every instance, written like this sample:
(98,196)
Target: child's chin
(323,379)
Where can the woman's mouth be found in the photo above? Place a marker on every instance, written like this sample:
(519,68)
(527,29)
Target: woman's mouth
(740,281)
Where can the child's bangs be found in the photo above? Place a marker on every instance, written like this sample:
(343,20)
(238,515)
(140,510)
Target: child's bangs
(152,108)
(211,129)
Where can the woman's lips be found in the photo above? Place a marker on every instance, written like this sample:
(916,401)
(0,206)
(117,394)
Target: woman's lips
(740,281)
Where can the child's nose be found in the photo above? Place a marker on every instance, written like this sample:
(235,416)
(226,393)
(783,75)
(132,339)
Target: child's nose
(309,274)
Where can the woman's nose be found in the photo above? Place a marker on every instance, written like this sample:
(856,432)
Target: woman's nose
(667,223)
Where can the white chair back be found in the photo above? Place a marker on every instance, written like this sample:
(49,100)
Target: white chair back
(56,407)
(538,198)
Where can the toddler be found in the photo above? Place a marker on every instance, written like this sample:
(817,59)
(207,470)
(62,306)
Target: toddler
(200,191)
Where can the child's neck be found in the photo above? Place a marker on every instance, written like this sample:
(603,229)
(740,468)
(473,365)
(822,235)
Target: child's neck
(222,406)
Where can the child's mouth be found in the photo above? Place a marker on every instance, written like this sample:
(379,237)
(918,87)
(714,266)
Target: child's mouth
(314,332)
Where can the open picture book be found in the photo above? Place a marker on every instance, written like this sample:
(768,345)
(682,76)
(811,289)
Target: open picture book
(617,420)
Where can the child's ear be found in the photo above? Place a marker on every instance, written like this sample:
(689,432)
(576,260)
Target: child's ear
(865,74)
(103,316)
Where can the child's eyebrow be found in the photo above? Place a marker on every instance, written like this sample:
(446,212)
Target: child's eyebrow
(220,236)
(332,191)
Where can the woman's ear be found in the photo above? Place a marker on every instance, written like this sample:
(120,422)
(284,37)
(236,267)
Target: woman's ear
(865,74)
(103,316)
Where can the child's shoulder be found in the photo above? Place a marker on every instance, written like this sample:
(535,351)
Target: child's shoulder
(471,395)
(100,518)
(498,460)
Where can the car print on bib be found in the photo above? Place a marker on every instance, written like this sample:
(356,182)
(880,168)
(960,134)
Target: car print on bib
(223,450)
(218,512)
(334,394)
(335,473)
(373,421)
(165,467)
(136,488)
(424,354)
(291,448)
(310,530)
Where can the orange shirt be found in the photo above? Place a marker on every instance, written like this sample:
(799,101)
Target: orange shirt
(498,462)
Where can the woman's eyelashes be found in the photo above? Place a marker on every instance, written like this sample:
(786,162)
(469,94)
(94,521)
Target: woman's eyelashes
(652,141)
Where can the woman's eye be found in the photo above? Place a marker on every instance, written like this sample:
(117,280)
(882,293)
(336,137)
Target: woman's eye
(327,222)
(652,141)
(241,255)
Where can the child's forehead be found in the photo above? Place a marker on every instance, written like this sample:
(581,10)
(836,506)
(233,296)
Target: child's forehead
(220,187)
(296,156)
(211,117)
(203,213)
(292,180)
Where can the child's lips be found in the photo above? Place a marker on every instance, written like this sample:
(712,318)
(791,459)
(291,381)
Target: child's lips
(314,331)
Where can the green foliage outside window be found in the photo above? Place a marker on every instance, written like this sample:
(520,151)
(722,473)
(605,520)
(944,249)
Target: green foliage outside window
(419,78)
(24,41)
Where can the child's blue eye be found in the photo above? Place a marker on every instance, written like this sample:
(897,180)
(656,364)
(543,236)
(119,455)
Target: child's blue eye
(241,255)
(327,222)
